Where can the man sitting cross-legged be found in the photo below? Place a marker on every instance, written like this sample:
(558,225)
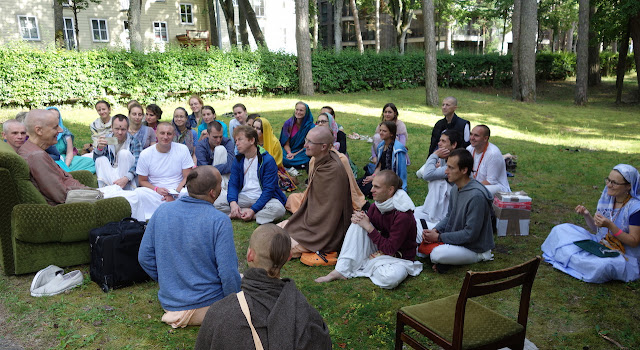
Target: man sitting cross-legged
(162,170)
(116,163)
(253,186)
(323,218)
(216,150)
(280,314)
(188,248)
(466,231)
(380,244)
(14,133)
(490,169)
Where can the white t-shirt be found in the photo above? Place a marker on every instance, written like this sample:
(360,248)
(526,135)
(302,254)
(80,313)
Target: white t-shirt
(492,168)
(164,169)
(251,186)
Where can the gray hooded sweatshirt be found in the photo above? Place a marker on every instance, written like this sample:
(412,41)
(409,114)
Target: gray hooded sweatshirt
(468,222)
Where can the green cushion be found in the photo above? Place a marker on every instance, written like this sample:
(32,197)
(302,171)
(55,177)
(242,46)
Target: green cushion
(481,325)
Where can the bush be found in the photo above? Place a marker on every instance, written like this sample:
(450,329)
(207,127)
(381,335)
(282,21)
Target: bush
(33,77)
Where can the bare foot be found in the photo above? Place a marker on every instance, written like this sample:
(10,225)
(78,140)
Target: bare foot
(332,276)
(434,268)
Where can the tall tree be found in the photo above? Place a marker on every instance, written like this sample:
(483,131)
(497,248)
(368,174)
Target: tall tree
(314,11)
(303,46)
(594,50)
(337,25)
(402,15)
(77,6)
(356,24)
(377,25)
(58,25)
(252,20)
(213,23)
(582,57)
(135,32)
(430,63)
(242,25)
(524,59)
(229,16)
(622,59)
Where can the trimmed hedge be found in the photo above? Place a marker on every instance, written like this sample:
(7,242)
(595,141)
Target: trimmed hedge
(32,77)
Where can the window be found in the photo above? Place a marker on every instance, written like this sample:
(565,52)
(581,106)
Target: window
(160,32)
(258,7)
(69,33)
(99,29)
(186,13)
(29,27)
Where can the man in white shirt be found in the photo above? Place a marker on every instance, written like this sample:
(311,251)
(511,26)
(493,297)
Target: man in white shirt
(162,170)
(488,164)
(116,163)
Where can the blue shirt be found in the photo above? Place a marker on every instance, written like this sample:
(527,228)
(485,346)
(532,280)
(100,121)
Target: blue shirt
(204,154)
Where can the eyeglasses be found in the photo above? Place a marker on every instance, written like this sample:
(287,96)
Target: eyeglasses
(609,181)
(322,122)
(306,140)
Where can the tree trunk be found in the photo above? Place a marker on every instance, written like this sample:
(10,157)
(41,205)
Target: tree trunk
(504,50)
(315,25)
(622,63)
(303,45)
(614,46)
(242,26)
(58,25)
(515,51)
(403,31)
(252,20)
(213,23)
(74,8)
(135,33)
(377,25)
(528,24)
(594,51)
(337,25)
(229,16)
(634,32)
(448,36)
(569,47)
(582,56)
(356,23)
(430,64)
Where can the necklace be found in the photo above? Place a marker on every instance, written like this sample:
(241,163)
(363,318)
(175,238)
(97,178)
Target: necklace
(249,166)
(475,173)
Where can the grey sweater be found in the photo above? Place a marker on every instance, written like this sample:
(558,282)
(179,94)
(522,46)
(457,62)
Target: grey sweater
(468,222)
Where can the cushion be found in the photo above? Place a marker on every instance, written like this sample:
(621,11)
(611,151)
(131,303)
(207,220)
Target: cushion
(481,325)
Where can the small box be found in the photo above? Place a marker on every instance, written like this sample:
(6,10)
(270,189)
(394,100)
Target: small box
(511,205)
(520,196)
(512,222)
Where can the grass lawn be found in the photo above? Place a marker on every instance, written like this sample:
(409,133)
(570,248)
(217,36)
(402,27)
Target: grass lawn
(564,152)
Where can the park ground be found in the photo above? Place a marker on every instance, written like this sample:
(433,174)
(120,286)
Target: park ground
(564,152)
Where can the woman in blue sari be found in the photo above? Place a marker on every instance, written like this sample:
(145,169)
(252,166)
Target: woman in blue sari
(616,224)
(68,152)
(294,131)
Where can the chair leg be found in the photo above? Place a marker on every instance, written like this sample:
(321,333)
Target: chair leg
(399,330)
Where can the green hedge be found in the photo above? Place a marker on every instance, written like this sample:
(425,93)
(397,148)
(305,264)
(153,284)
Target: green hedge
(32,77)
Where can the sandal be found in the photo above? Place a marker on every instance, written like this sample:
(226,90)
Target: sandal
(319,258)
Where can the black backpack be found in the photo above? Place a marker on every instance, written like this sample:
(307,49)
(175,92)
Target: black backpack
(114,254)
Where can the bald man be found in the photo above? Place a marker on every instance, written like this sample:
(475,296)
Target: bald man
(14,133)
(199,266)
(451,121)
(324,215)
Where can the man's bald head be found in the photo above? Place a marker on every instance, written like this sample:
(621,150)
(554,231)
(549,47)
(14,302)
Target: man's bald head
(202,180)
(390,178)
(38,117)
(319,142)
(322,135)
(271,247)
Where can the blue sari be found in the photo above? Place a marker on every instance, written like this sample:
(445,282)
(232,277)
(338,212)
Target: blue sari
(78,162)
(296,142)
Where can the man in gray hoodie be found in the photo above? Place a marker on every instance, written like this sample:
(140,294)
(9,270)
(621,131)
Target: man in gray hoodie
(465,234)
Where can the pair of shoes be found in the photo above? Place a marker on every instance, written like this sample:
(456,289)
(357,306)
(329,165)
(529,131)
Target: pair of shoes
(319,258)
(293,171)
(52,280)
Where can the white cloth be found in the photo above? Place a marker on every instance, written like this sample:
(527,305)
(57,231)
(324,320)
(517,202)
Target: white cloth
(251,186)
(436,204)
(450,254)
(132,197)
(107,174)
(492,168)
(384,271)
(220,157)
(419,214)
(164,169)
(271,211)
(150,200)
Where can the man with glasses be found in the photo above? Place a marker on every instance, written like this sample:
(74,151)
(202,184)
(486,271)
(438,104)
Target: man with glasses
(216,150)
(253,191)
(325,213)
(116,156)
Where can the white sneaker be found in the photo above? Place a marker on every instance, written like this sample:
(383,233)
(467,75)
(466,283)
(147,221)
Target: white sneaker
(59,284)
(44,276)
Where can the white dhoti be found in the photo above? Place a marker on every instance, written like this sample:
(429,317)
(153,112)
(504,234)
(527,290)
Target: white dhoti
(131,196)
(271,211)
(151,200)
(220,157)
(434,209)
(384,271)
(107,174)
(450,254)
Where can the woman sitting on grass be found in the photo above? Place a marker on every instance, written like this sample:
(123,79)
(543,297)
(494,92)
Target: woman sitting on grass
(102,125)
(195,118)
(143,133)
(389,113)
(209,115)
(339,137)
(68,152)
(293,134)
(617,228)
(391,155)
(184,133)
(154,114)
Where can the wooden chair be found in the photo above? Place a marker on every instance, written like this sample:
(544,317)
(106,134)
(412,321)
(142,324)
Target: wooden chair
(457,322)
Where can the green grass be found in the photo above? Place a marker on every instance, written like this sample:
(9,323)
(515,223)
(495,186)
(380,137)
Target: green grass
(564,152)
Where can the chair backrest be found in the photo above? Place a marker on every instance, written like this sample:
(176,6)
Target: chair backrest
(482,283)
